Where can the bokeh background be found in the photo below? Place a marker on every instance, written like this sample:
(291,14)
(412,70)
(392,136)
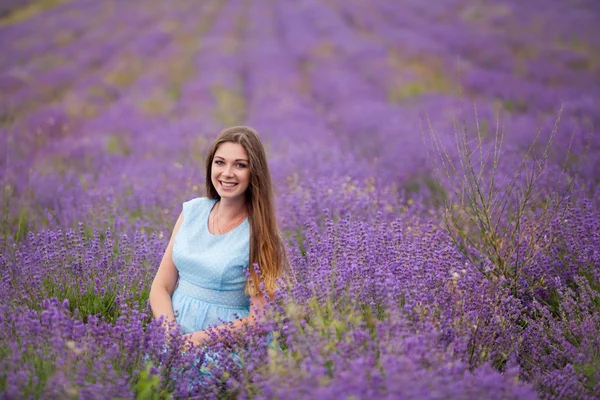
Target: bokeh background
(107,111)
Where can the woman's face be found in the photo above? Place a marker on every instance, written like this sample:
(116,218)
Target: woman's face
(230,173)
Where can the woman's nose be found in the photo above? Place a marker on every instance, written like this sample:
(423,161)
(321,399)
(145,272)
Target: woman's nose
(228,171)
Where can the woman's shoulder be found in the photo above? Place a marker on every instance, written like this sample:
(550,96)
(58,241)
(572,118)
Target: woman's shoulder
(196,201)
(197,205)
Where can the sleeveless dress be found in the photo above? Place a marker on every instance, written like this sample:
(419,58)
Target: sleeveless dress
(210,289)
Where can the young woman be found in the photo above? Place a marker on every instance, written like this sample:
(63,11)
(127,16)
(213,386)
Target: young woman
(202,279)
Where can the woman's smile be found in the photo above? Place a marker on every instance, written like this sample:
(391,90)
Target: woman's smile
(230,172)
(228,184)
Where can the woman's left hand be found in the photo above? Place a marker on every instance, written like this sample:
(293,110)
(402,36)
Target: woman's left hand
(197,339)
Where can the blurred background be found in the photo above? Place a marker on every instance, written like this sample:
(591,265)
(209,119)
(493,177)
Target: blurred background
(107,107)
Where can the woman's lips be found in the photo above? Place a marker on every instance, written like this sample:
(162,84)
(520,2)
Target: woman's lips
(228,184)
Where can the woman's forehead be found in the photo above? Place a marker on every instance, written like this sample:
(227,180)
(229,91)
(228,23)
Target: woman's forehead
(231,150)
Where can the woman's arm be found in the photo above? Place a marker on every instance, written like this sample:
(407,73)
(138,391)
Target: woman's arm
(201,338)
(165,280)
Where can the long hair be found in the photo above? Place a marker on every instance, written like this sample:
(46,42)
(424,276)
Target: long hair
(266,245)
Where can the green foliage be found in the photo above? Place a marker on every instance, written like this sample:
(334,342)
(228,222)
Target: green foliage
(146,386)
(84,298)
(118,145)
(174,91)
(20,14)
(4,352)
(95,292)
(22,224)
(297,237)
(402,92)
(415,182)
(230,105)
(14,227)
(39,366)
(515,106)
(590,371)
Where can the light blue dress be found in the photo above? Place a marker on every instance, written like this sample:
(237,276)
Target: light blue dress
(210,290)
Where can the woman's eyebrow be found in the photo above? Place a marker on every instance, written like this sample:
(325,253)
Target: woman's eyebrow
(237,159)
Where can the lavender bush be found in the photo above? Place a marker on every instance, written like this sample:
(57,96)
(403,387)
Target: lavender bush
(407,282)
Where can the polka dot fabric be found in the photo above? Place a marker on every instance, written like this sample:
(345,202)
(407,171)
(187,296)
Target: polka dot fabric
(210,290)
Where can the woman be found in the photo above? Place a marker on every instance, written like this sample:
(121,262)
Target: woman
(202,279)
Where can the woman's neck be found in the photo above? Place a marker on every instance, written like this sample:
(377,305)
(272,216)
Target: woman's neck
(231,208)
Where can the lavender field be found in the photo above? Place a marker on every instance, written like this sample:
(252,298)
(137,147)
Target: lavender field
(437,178)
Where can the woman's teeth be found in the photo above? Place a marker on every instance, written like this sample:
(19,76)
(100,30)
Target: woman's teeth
(227,184)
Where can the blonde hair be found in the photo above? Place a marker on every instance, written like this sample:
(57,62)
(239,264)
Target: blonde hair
(266,245)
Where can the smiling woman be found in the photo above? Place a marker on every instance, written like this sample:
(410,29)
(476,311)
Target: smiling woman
(203,280)
(230,175)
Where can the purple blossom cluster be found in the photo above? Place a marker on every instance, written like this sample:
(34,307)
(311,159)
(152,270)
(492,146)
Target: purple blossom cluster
(108,110)
(88,272)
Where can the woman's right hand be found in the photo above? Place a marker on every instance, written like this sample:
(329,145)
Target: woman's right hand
(168,327)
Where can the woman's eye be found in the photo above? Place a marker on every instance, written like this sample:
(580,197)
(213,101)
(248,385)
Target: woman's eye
(218,162)
(242,165)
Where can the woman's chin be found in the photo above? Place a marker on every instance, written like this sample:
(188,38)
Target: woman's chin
(229,195)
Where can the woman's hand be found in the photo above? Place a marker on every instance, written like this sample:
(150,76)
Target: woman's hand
(169,329)
(196,339)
